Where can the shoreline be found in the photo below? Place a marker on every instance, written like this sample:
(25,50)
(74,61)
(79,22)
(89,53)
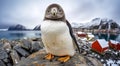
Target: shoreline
(22,48)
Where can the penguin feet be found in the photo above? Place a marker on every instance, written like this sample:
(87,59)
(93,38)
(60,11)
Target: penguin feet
(64,59)
(49,56)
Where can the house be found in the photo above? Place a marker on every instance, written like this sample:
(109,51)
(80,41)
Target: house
(114,44)
(100,45)
(81,34)
(90,37)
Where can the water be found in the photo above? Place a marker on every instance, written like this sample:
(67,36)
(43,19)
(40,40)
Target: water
(107,36)
(12,35)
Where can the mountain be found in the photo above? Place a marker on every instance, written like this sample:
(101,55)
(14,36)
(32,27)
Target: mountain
(17,27)
(77,25)
(37,27)
(98,23)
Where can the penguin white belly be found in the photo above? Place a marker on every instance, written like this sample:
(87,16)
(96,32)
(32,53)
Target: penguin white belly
(56,38)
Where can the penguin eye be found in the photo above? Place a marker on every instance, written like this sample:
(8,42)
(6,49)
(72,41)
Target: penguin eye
(48,11)
(60,10)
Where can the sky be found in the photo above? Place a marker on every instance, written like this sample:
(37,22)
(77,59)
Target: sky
(30,13)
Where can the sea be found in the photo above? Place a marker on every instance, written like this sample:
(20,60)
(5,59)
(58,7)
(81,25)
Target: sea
(13,35)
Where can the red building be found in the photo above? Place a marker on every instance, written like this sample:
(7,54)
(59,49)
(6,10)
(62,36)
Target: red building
(81,34)
(100,45)
(114,44)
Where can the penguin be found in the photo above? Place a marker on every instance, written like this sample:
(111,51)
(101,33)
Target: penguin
(57,35)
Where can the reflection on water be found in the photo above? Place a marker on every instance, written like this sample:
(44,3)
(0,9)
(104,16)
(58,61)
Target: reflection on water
(19,34)
(36,34)
(107,36)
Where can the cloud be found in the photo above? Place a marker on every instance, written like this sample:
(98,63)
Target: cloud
(31,12)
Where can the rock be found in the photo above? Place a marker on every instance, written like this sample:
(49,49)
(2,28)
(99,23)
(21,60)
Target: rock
(35,46)
(22,58)
(21,51)
(9,64)
(37,59)
(36,39)
(26,44)
(15,57)
(1,45)
(3,54)
(2,63)
(6,60)
(7,46)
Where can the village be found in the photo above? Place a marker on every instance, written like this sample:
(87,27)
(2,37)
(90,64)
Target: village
(108,52)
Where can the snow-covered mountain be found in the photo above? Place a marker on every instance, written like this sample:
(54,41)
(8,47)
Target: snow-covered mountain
(77,25)
(97,23)
(37,27)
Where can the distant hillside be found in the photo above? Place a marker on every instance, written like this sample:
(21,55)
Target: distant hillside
(17,27)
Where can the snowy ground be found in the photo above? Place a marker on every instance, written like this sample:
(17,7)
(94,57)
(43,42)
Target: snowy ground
(110,57)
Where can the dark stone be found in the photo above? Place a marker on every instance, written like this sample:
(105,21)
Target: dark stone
(15,57)
(26,44)
(21,51)
(7,47)
(2,63)
(37,59)
(22,58)
(1,45)
(3,54)
(35,46)
(9,64)
(6,60)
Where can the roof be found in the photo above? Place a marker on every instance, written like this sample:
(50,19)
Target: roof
(80,32)
(92,36)
(103,43)
(114,42)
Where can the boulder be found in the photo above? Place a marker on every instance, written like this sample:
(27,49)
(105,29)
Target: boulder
(1,45)
(3,54)
(21,51)
(7,46)
(35,46)
(2,63)
(37,59)
(15,57)
(26,44)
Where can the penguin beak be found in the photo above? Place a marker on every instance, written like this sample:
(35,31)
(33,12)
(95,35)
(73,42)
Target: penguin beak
(54,11)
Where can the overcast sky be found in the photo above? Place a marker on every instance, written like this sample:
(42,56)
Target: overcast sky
(31,12)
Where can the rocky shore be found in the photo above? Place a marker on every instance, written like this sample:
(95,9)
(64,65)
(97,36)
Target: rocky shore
(11,52)
(30,52)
